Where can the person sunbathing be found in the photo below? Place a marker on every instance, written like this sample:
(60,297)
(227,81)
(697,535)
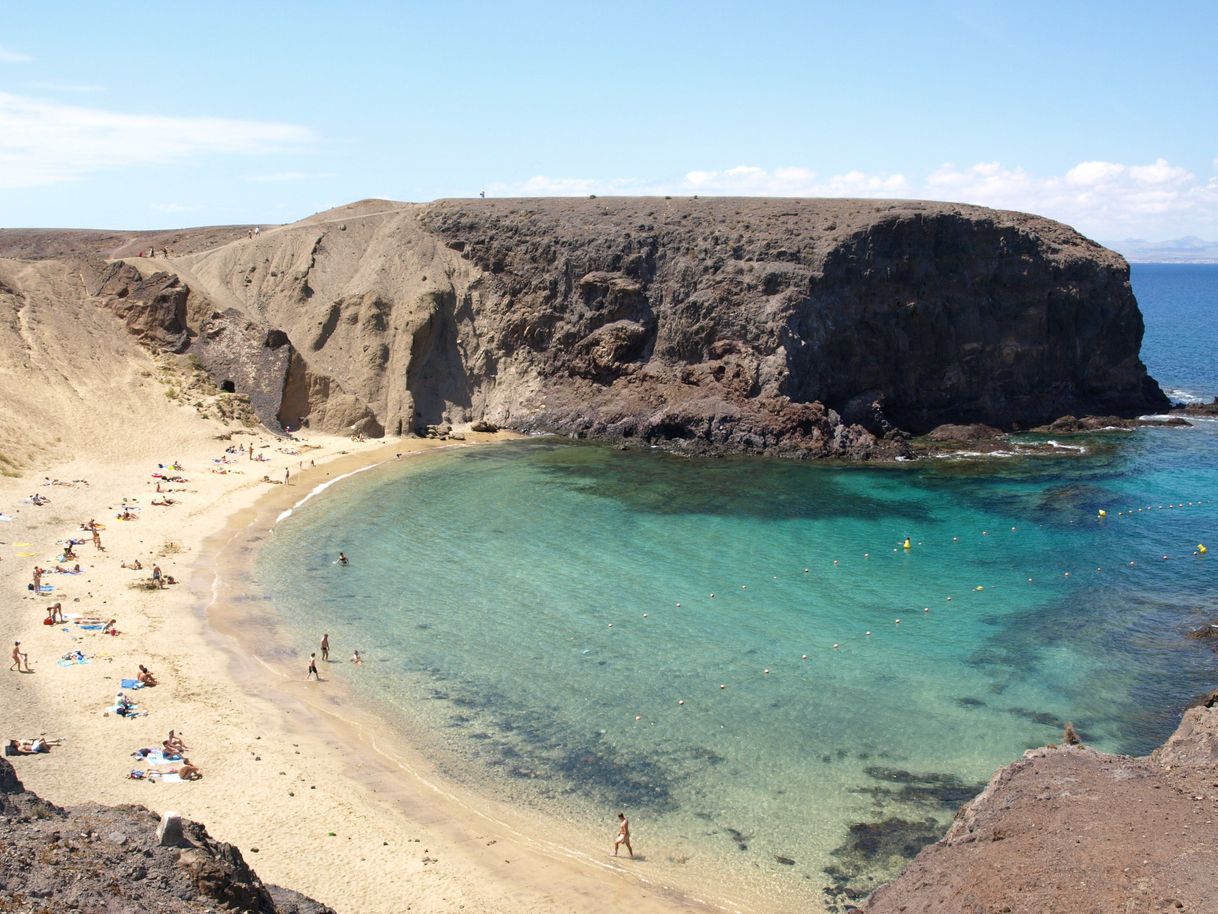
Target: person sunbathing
(174,745)
(188,772)
(30,746)
(145,676)
(164,502)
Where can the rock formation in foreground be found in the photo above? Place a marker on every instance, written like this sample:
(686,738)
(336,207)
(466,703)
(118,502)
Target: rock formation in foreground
(788,327)
(1071,829)
(96,859)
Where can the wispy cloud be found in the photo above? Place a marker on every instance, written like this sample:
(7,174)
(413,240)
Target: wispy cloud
(1106,199)
(294,176)
(44,142)
(7,56)
(77,88)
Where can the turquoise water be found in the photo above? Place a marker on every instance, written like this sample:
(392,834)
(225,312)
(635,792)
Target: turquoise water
(582,630)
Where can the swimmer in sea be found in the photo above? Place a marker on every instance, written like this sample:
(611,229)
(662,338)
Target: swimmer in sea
(342,558)
(357,659)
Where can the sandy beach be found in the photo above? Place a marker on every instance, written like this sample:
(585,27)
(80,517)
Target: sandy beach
(309,786)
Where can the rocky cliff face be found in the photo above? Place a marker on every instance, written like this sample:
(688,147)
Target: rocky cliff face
(1071,829)
(97,858)
(789,327)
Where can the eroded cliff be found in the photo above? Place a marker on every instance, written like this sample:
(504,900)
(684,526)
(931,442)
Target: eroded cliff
(784,327)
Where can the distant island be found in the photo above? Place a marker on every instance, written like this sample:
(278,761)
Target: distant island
(1189,249)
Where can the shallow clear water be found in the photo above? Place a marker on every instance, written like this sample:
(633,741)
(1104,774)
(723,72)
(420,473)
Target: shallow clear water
(536,613)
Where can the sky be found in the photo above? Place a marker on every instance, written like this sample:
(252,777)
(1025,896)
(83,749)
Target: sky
(125,116)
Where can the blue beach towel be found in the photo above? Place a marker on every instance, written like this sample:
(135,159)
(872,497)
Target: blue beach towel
(132,684)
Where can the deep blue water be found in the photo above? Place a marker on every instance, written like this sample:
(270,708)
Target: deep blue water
(1180,306)
(580,630)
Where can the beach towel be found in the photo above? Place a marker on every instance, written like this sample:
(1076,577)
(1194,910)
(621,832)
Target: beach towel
(75,659)
(131,684)
(155,757)
(166,777)
(46,588)
(132,711)
(26,555)
(5,518)
(91,627)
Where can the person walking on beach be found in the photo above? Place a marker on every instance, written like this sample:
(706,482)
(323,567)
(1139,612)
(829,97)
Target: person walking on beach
(97,540)
(20,657)
(623,835)
(285,475)
(325,646)
(312,668)
(157,577)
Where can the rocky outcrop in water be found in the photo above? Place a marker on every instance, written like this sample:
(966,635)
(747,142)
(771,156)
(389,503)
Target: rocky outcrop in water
(816,328)
(1070,829)
(96,859)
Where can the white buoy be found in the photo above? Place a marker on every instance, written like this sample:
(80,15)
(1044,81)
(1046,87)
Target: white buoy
(868,634)
(681,701)
(644,615)
(766,672)
(722,686)
(805,657)
(835,646)
(898,622)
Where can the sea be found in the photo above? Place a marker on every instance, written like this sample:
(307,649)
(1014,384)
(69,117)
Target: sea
(788,675)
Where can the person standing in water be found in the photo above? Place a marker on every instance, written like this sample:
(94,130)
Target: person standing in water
(312,668)
(623,834)
(342,558)
(325,646)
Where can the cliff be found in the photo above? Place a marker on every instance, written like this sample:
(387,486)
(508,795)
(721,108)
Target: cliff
(98,858)
(786,327)
(1070,829)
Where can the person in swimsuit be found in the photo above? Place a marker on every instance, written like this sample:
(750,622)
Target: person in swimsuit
(623,834)
(312,668)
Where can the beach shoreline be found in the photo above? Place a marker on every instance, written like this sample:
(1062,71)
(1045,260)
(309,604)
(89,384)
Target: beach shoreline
(308,784)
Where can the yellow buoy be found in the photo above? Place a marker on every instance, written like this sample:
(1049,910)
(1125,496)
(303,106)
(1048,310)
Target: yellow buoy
(907,545)
(1103,513)
(1201,548)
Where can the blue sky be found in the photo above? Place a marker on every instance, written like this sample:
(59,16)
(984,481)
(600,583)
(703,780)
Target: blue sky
(1103,115)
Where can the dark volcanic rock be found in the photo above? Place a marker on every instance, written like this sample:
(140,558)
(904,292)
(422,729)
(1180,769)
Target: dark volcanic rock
(152,307)
(246,356)
(941,313)
(95,858)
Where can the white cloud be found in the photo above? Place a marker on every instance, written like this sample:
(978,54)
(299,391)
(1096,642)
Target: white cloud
(1102,199)
(83,88)
(1086,173)
(1159,172)
(44,142)
(7,56)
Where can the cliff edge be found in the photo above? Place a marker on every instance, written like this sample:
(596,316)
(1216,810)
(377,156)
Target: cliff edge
(1070,829)
(811,328)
